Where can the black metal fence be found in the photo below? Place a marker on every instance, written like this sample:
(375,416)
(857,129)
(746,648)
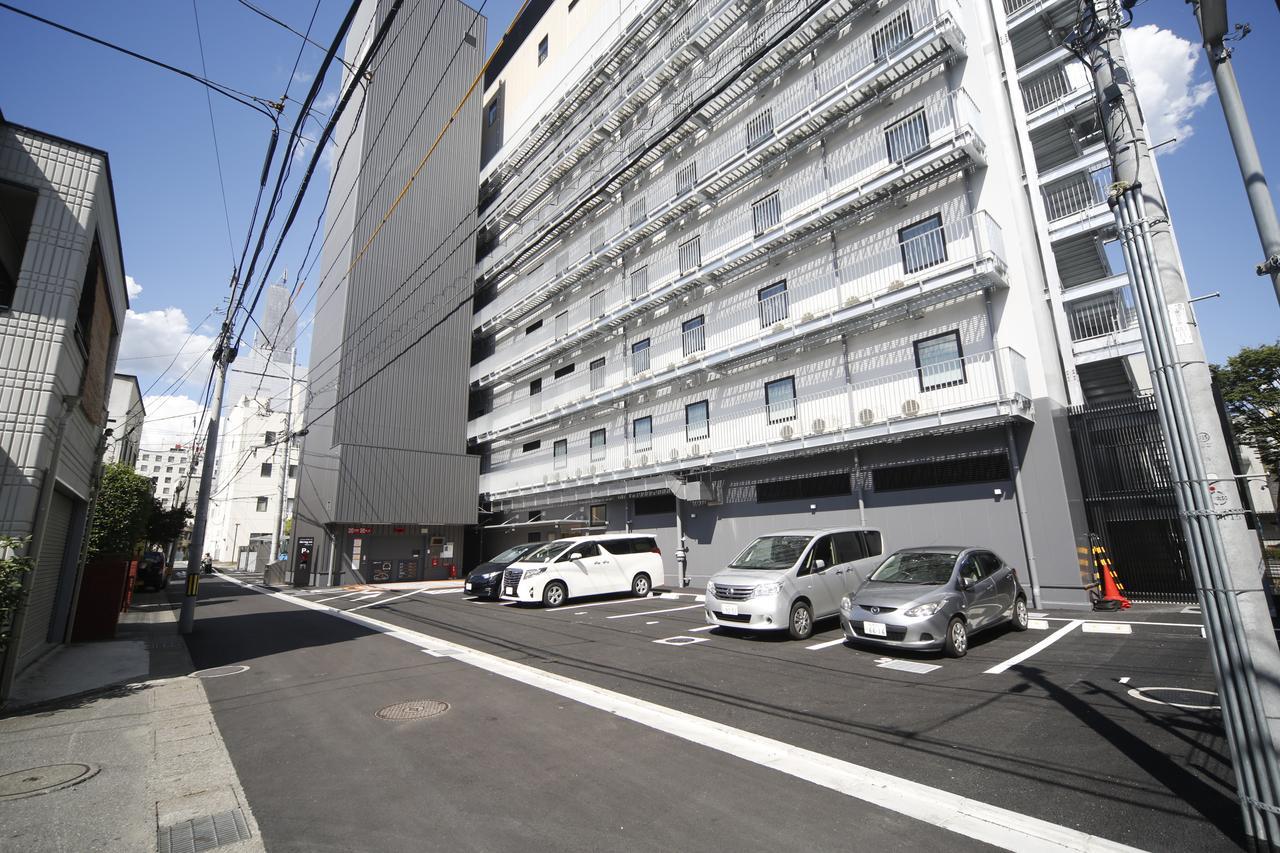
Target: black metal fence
(1124,472)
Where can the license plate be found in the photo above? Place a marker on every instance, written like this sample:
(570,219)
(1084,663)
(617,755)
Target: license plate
(874,629)
(730,610)
(511,590)
(466,587)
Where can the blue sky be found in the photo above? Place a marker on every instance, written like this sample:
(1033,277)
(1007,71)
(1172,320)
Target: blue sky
(155,127)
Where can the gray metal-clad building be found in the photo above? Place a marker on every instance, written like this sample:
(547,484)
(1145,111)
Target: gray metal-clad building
(385,461)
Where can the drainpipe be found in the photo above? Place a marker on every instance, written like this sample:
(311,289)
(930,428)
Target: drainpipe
(681,566)
(862,507)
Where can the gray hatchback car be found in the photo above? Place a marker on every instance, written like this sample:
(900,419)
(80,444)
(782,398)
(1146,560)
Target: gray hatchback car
(934,598)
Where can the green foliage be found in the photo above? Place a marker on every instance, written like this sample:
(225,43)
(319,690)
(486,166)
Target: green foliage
(166,525)
(288,526)
(121,512)
(1250,386)
(12,569)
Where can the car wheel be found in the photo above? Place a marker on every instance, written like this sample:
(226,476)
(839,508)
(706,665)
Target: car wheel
(554,594)
(1020,618)
(957,642)
(640,585)
(800,625)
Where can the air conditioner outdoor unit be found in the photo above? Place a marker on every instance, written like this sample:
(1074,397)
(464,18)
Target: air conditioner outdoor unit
(577,472)
(866,417)
(897,284)
(644,460)
(545,479)
(592,469)
(911,408)
(626,462)
(695,450)
(819,426)
(786,432)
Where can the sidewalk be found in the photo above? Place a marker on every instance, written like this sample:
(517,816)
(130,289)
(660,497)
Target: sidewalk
(110,746)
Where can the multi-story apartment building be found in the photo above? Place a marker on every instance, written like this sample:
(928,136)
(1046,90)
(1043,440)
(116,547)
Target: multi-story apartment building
(746,267)
(62,306)
(126,414)
(174,473)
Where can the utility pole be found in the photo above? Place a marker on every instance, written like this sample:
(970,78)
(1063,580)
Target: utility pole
(1224,554)
(286,440)
(1212,16)
(223,355)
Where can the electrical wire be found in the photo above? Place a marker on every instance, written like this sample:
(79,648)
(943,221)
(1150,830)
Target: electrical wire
(213,134)
(305,38)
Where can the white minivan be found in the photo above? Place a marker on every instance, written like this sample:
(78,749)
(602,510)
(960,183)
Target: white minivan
(786,580)
(585,565)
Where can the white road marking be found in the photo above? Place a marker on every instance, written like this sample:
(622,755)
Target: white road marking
(961,815)
(1130,622)
(681,641)
(909,666)
(1141,693)
(336,597)
(654,612)
(367,596)
(603,603)
(1037,615)
(1124,680)
(1107,628)
(388,600)
(1043,644)
(1191,608)
(440,591)
(654,622)
(1038,624)
(703,628)
(581,613)
(828,644)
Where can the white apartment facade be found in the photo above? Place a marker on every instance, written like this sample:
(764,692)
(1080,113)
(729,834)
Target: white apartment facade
(174,473)
(126,414)
(746,267)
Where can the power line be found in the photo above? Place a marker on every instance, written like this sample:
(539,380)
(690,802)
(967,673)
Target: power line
(305,38)
(213,133)
(251,101)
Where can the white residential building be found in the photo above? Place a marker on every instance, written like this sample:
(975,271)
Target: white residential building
(174,472)
(747,267)
(125,417)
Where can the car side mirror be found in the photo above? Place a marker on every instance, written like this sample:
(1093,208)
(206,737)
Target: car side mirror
(963,583)
(819,565)
(575,556)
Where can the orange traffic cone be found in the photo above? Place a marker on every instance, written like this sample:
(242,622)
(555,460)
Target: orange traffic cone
(1110,586)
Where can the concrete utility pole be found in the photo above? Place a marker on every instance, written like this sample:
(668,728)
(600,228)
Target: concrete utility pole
(1212,15)
(286,441)
(1224,554)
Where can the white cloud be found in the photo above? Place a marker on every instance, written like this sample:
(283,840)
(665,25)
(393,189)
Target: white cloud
(150,341)
(132,287)
(1163,66)
(171,420)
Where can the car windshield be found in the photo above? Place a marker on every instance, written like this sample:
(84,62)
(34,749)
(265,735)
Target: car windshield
(546,553)
(511,554)
(771,552)
(925,567)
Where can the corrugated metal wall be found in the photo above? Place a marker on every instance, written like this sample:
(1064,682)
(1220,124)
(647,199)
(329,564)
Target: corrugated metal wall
(44,582)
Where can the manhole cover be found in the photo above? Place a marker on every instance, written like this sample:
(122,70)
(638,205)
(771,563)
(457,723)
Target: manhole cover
(42,780)
(219,671)
(419,709)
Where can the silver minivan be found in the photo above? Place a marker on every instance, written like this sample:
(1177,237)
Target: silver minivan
(786,580)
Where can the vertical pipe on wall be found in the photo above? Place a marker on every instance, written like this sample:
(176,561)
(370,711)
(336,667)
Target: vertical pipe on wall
(1015,467)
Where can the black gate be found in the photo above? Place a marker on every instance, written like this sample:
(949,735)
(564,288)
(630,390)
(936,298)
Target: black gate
(1124,471)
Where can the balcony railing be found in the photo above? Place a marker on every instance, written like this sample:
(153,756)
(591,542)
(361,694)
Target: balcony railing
(988,385)
(731,143)
(841,184)
(1055,83)
(872,270)
(1098,318)
(1077,193)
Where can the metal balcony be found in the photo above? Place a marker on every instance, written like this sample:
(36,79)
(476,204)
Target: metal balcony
(1053,92)
(879,275)
(806,106)
(1078,202)
(976,391)
(1104,327)
(856,175)
(1020,11)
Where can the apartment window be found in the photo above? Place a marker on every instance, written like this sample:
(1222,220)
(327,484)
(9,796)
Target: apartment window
(560,453)
(820,486)
(640,356)
(17,210)
(686,178)
(639,282)
(888,37)
(533,327)
(270,438)
(766,213)
(543,48)
(773,304)
(597,304)
(530,446)
(638,212)
(690,255)
(266,469)
(597,374)
(939,361)
(597,442)
(693,334)
(780,399)
(983,468)
(697,421)
(262,505)
(562,324)
(491,113)
(168,479)
(166,491)
(760,128)
(535,386)
(293,471)
(599,515)
(171,458)
(923,244)
(169,468)
(908,136)
(642,434)
(562,372)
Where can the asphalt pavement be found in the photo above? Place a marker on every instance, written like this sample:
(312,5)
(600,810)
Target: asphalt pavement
(571,729)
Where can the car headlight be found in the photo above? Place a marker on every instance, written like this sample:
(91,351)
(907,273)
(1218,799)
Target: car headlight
(765,590)
(711,589)
(846,604)
(528,573)
(921,610)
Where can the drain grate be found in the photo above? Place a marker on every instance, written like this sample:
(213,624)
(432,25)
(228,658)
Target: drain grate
(42,780)
(418,709)
(203,833)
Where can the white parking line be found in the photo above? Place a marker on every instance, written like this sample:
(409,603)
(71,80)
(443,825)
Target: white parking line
(1129,622)
(654,612)
(603,603)
(1107,628)
(703,628)
(828,644)
(336,597)
(1040,646)
(387,600)
(961,815)
(367,596)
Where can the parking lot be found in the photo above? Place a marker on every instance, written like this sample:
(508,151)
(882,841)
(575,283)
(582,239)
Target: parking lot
(1105,723)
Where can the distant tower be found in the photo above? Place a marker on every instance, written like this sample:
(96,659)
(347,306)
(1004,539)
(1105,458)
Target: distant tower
(279,324)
